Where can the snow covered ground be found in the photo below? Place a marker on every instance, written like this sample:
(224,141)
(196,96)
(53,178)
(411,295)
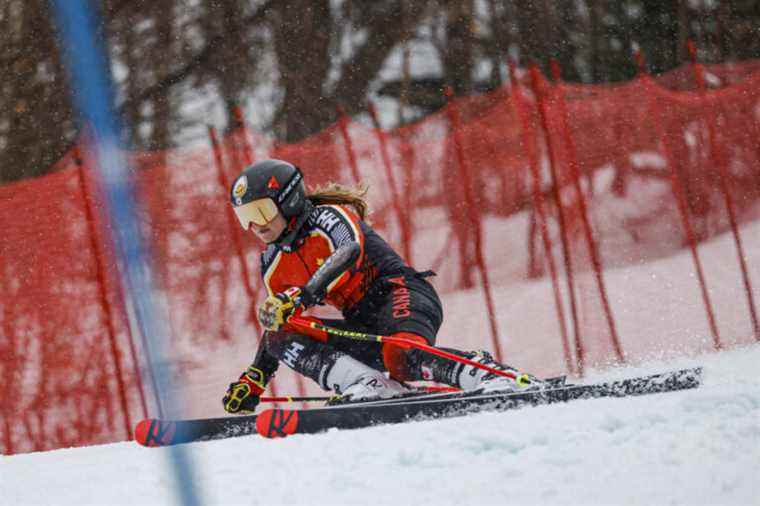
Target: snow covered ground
(699,447)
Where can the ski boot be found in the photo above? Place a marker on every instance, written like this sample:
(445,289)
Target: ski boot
(373,386)
(471,378)
(355,381)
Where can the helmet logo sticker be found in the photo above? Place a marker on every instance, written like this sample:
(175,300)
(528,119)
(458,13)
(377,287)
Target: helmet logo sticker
(286,192)
(273,184)
(241,186)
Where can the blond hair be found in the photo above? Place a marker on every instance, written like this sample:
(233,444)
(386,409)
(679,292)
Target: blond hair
(336,194)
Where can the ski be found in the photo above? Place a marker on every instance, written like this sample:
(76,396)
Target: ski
(155,432)
(275,423)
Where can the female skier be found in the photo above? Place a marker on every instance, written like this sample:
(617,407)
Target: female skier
(321,250)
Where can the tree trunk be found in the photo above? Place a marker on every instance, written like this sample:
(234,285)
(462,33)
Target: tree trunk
(458,58)
(302,41)
(34,96)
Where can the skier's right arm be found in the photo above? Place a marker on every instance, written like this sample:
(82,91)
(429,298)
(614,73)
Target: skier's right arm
(243,395)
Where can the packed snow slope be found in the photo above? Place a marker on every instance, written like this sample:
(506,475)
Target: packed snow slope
(698,447)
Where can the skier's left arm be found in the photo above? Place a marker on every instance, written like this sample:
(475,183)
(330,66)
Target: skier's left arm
(343,231)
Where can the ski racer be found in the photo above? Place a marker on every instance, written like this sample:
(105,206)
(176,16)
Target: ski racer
(321,250)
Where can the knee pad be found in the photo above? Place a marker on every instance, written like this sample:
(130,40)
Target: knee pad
(396,359)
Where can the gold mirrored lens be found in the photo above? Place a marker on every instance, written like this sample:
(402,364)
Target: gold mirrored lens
(260,212)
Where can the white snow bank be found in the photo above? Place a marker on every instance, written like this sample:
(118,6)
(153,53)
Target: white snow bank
(699,447)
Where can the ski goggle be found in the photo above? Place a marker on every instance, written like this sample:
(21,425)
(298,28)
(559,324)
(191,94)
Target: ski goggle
(259,212)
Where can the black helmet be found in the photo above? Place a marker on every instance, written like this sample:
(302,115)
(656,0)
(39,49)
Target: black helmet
(265,188)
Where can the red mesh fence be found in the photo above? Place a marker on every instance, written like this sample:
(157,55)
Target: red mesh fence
(70,370)
(67,374)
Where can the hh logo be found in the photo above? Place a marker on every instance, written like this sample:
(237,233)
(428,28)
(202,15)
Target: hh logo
(400,294)
(291,354)
(327,220)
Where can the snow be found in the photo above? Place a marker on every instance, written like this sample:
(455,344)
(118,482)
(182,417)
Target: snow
(698,447)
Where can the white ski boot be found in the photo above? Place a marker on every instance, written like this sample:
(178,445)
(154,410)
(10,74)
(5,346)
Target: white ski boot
(356,381)
(472,378)
(373,386)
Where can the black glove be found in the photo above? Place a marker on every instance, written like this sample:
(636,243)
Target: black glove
(243,395)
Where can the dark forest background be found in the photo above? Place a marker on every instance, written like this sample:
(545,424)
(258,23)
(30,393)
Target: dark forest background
(293,61)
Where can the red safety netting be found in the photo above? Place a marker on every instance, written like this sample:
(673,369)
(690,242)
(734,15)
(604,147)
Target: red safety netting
(65,378)
(442,190)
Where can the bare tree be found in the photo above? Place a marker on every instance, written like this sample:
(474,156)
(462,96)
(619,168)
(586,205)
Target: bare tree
(313,55)
(35,115)
(304,31)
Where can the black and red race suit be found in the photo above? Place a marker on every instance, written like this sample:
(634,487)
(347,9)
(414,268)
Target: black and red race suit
(338,259)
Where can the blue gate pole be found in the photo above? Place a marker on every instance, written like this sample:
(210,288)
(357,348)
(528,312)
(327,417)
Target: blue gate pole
(92,88)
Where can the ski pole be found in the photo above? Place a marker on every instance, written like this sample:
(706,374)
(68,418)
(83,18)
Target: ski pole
(301,323)
(288,398)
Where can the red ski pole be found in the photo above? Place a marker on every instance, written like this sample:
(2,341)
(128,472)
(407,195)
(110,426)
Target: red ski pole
(307,325)
(288,398)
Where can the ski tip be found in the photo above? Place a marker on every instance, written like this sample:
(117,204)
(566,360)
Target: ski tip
(152,432)
(141,432)
(274,423)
